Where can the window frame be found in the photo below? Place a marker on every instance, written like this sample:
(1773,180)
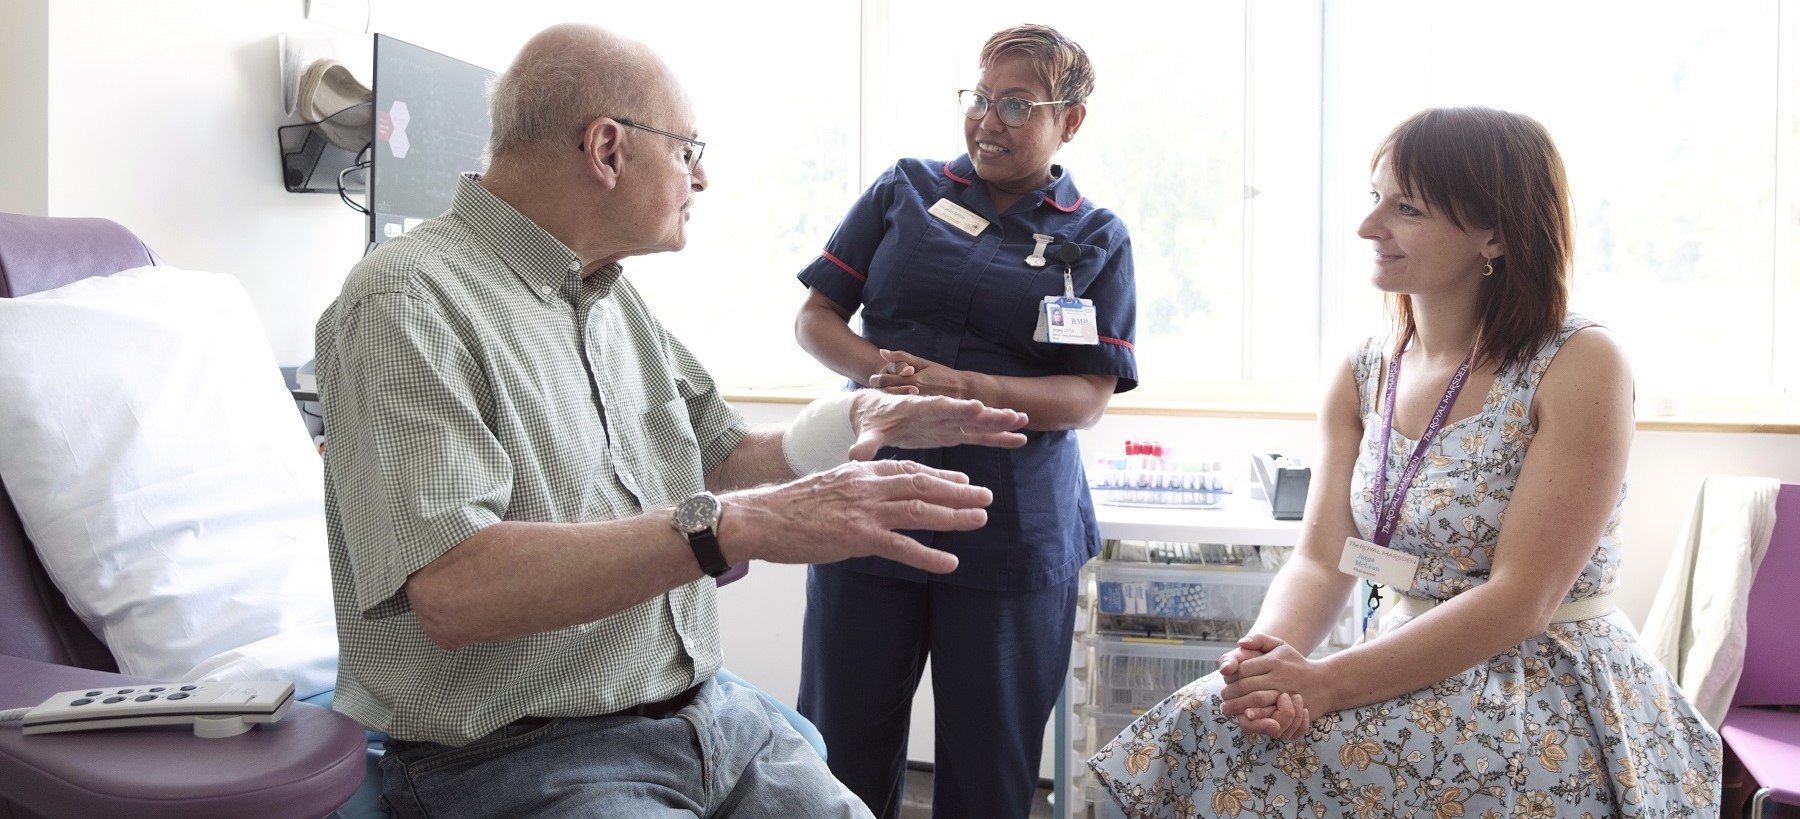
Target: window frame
(1314,213)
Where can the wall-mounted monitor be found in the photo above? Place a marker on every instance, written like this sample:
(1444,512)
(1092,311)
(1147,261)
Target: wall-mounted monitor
(431,124)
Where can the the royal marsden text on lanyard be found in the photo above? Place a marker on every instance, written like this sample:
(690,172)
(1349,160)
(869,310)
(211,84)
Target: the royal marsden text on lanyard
(1371,559)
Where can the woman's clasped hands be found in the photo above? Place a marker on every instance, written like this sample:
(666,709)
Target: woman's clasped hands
(908,374)
(1266,685)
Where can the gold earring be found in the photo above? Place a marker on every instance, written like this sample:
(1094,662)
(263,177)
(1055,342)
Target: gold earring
(1489,270)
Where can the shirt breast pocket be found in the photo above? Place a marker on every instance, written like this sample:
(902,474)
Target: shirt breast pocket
(661,455)
(1038,283)
(1048,280)
(911,269)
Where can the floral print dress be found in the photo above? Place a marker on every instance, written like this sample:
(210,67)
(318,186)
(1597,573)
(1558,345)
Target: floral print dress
(1577,722)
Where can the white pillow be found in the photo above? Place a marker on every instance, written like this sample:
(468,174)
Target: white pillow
(159,465)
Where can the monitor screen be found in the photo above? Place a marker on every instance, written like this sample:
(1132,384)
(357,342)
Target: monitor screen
(431,124)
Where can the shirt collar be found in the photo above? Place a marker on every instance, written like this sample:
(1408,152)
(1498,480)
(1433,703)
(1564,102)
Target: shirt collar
(1061,193)
(541,262)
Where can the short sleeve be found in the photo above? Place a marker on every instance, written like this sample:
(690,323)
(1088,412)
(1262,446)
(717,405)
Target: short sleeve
(1114,294)
(416,472)
(843,266)
(718,427)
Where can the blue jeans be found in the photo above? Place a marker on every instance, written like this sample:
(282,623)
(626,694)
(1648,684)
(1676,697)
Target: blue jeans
(727,754)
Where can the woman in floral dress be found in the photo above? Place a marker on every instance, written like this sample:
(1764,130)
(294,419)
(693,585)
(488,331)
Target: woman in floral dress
(1482,483)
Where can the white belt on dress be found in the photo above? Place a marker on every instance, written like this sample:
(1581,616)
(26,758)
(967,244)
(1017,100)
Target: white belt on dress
(1584,609)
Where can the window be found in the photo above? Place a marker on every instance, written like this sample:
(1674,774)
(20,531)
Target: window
(1677,127)
(778,104)
(1234,139)
(1202,134)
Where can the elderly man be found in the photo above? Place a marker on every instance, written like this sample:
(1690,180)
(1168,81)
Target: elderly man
(518,470)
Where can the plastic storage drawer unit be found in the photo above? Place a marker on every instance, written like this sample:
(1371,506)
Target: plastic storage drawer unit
(1128,676)
(1180,602)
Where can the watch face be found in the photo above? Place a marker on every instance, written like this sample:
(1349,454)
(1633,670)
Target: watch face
(697,514)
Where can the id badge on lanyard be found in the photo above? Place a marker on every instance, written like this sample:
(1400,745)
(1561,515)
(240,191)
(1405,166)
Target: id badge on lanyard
(1371,559)
(1064,319)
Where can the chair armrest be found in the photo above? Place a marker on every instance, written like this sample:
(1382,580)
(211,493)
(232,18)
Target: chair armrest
(732,574)
(306,765)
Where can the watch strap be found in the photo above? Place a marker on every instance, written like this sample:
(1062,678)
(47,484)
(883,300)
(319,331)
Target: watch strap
(705,544)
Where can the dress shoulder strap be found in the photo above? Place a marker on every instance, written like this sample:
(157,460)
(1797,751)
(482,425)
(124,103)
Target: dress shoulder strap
(1521,383)
(1365,366)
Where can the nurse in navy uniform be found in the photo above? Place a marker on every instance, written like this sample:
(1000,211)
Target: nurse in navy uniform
(958,268)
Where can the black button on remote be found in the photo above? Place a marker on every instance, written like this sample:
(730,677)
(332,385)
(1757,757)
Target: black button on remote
(178,696)
(145,697)
(82,701)
(113,699)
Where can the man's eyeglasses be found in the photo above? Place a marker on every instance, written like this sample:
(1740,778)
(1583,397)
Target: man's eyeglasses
(1014,112)
(689,155)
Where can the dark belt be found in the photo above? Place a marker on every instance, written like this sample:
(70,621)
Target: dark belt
(653,710)
(660,708)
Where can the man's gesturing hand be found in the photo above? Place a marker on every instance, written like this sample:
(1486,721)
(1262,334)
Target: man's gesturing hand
(852,511)
(924,422)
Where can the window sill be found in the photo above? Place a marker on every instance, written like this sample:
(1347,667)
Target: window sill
(1176,409)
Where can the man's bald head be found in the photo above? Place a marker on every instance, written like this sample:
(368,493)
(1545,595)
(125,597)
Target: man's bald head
(563,79)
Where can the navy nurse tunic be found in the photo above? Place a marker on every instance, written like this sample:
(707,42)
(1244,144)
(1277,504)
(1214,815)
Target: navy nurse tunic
(972,303)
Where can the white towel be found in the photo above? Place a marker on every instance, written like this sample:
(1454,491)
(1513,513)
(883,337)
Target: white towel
(1696,626)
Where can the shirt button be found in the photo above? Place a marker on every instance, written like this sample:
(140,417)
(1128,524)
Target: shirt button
(549,288)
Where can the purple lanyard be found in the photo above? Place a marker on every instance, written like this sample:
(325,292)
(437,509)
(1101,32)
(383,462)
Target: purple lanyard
(1390,511)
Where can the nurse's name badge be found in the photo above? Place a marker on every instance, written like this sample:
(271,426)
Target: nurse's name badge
(958,217)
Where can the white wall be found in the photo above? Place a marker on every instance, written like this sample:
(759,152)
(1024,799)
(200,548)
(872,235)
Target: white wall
(162,116)
(24,97)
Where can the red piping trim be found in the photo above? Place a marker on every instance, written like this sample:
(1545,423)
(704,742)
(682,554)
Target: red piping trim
(1047,200)
(847,268)
(1119,341)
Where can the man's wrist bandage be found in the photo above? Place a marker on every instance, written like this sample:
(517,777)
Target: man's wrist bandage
(821,437)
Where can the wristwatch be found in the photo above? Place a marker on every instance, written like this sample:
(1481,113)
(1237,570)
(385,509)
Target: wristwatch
(698,518)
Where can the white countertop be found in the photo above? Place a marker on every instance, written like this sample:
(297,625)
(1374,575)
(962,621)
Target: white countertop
(1240,521)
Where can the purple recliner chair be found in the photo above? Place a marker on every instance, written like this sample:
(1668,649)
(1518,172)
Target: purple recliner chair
(1767,741)
(307,765)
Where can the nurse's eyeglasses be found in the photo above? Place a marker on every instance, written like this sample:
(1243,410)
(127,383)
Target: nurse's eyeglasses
(1014,112)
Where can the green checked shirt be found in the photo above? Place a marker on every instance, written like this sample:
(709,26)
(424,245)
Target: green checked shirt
(470,375)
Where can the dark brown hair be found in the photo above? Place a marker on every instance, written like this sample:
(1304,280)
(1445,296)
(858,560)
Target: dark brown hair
(1060,62)
(1488,169)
